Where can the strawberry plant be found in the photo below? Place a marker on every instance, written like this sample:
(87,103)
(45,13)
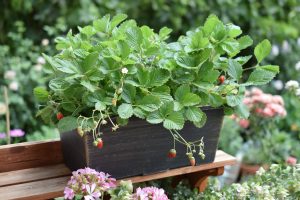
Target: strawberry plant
(114,70)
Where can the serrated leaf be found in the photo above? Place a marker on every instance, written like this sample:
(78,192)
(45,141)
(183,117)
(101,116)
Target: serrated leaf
(262,50)
(116,20)
(90,61)
(61,65)
(234,69)
(100,106)
(260,77)
(215,100)
(242,111)
(134,37)
(210,24)
(154,118)
(245,42)
(202,122)
(149,103)
(272,68)
(88,85)
(174,121)
(125,110)
(139,113)
(102,25)
(41,94)
(193,114)
(189,99)
(66,124)
(164,33)
(233,30)
(163,93)
(128,93)
(234,100)
(158,77)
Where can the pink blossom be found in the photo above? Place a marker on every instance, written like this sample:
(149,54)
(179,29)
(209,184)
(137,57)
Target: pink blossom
(2,135)
(278,99)
(17,133)
(150,193)
(291,160)
(268,112)
(244,123)
(69,193)
(92,193)
(256,91)
(247,101)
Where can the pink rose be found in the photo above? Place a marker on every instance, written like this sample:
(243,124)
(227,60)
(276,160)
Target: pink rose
(291,161)
(244,123)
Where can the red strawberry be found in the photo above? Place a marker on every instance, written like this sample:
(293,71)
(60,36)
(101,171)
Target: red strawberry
(192,161)
(59,116)
(172,153)
(221,79)
(99,143)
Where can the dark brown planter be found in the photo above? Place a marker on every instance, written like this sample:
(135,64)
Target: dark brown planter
(140,148)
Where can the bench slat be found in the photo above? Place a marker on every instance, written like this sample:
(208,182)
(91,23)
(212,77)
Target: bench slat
(30,155)
(33,174)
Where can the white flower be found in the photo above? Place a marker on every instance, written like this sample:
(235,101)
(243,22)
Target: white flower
(278,85)
(297,93)
(298,41)
(14,86)
(261,171)
(38,67)
(297,66)
(41,60)
(286,46)
(2,108)
(124,70)
(45,42)
(274,167)
(10,74)
(275,50)
(292,84)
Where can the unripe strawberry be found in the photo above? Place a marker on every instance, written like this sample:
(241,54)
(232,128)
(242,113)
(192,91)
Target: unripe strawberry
(95,143)
(114,102)
(192,161)
(80,131)
(120,90)
(221,79)
(59,116)
(100,143)
(172,153)
(103,122)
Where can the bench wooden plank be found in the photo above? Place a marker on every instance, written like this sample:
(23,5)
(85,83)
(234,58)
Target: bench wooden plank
(45,182)
(29,155)
(33,174)
(38,190)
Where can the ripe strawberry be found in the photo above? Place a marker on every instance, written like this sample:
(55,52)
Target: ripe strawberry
(192,161)
(172,153)
(59,116)
(221,79)
(99,143)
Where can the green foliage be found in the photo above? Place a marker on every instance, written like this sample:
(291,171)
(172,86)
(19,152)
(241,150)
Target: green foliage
(123,69)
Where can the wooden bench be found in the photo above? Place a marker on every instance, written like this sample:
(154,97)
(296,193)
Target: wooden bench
(35,170)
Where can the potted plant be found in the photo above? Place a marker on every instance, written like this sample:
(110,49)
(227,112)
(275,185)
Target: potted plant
(263,143)
(114,73)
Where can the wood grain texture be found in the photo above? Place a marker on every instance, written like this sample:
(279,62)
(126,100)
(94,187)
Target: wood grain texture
(33,174)
(30,155)
(37,190)
(140,148)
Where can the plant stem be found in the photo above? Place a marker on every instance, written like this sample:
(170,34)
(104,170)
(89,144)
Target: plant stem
(7,115)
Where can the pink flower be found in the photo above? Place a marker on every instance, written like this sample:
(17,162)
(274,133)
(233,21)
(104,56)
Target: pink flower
(244,123)
(268,112)
(278,99)
(17,133)
(69,193)
(148,193)
(2,135)
(291,161)
(92,193)
(256,91)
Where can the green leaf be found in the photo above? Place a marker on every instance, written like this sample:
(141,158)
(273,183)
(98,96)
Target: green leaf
(234,69)
(193,114)
(174,121)
(139,113)
(154,118)
(88,31)
(242,111)
(149,103)
(164,33)
(102,25)
(272,68)
(129,93)
(185,97)
(125,110)
(245,42)
(163,93)
(215,100)
(67,124)
(41,94)
(90,61)
(262,50)
(61,65)
(210,24)
(100,106)
(234,100)
(116,20)
(122,122)
(134,37)
(202,122)
(158,77)
(88,85)
(260,77)
(233,30)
